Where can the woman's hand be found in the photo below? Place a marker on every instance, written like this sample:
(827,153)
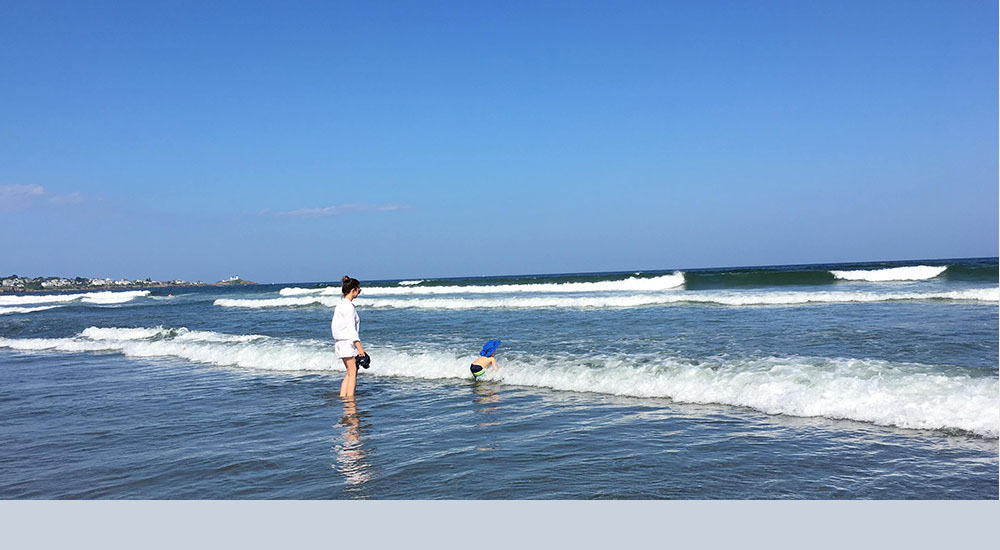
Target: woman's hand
(361,350)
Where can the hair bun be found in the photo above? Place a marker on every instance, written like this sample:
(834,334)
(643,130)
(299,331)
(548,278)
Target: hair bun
(348,284)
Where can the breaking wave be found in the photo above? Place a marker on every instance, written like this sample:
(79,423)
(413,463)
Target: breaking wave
(324,301)
(904,395)
(106,297)
(909,273)
(631,284)
(325,291)
(9,310)
(719,298)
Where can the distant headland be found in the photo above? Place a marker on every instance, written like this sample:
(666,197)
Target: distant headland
(15,283)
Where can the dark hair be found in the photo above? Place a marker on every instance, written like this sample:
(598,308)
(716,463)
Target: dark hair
(348,284)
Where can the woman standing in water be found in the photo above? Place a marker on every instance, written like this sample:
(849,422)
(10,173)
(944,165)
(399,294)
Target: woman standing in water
(344,325)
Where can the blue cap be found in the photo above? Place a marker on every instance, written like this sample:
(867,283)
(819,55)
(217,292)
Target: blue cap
(489,348)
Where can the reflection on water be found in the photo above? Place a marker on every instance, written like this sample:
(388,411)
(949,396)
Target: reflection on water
(350,452)
(489,413)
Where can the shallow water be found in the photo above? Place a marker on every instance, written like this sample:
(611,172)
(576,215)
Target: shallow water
(880,399)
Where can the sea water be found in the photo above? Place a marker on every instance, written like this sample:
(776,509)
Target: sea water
(863,381)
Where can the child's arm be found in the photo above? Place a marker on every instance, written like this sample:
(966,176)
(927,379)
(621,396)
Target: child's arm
(493,362)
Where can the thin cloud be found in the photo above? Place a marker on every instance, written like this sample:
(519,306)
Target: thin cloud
(70,198)
(17,196)
(13,193)
(335,210)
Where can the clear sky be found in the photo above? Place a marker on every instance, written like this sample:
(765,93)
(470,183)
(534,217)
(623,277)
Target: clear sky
(299,141)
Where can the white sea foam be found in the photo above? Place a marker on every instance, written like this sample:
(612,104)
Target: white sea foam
(410,283)
(904,395)
(247,351)
(106,297)
(179,334)
(9,310)
(25,299)
(114,297)
(909,273)
(631,284)
(295,291)
(723,298)
(325,301)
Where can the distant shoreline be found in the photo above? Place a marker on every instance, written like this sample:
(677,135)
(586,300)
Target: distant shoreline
(123,287)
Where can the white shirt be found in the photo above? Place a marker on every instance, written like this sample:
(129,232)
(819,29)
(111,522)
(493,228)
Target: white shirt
(345,322)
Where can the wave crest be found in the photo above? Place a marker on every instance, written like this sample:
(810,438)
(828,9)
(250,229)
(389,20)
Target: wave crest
(908,273)
(105,297)
(10,310)
(720,298)
(631,284)
(904,395)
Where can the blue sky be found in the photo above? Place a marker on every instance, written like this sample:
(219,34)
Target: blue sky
(301,141)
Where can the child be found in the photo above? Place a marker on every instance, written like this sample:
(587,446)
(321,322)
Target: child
(485,359)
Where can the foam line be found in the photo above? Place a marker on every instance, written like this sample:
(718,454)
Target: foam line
(631,284)
(10,310)
(904,395)
(324,301)
(106,297)
(325,291)
(720,298)
(909,273)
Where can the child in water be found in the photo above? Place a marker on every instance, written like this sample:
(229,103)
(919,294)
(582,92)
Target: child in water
(485,359)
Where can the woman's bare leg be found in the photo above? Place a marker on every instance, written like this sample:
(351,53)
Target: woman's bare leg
(350,379)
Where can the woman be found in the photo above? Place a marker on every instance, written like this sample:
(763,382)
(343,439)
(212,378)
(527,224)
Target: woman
(344,326)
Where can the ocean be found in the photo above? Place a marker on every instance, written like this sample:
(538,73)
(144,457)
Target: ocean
(842,381)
